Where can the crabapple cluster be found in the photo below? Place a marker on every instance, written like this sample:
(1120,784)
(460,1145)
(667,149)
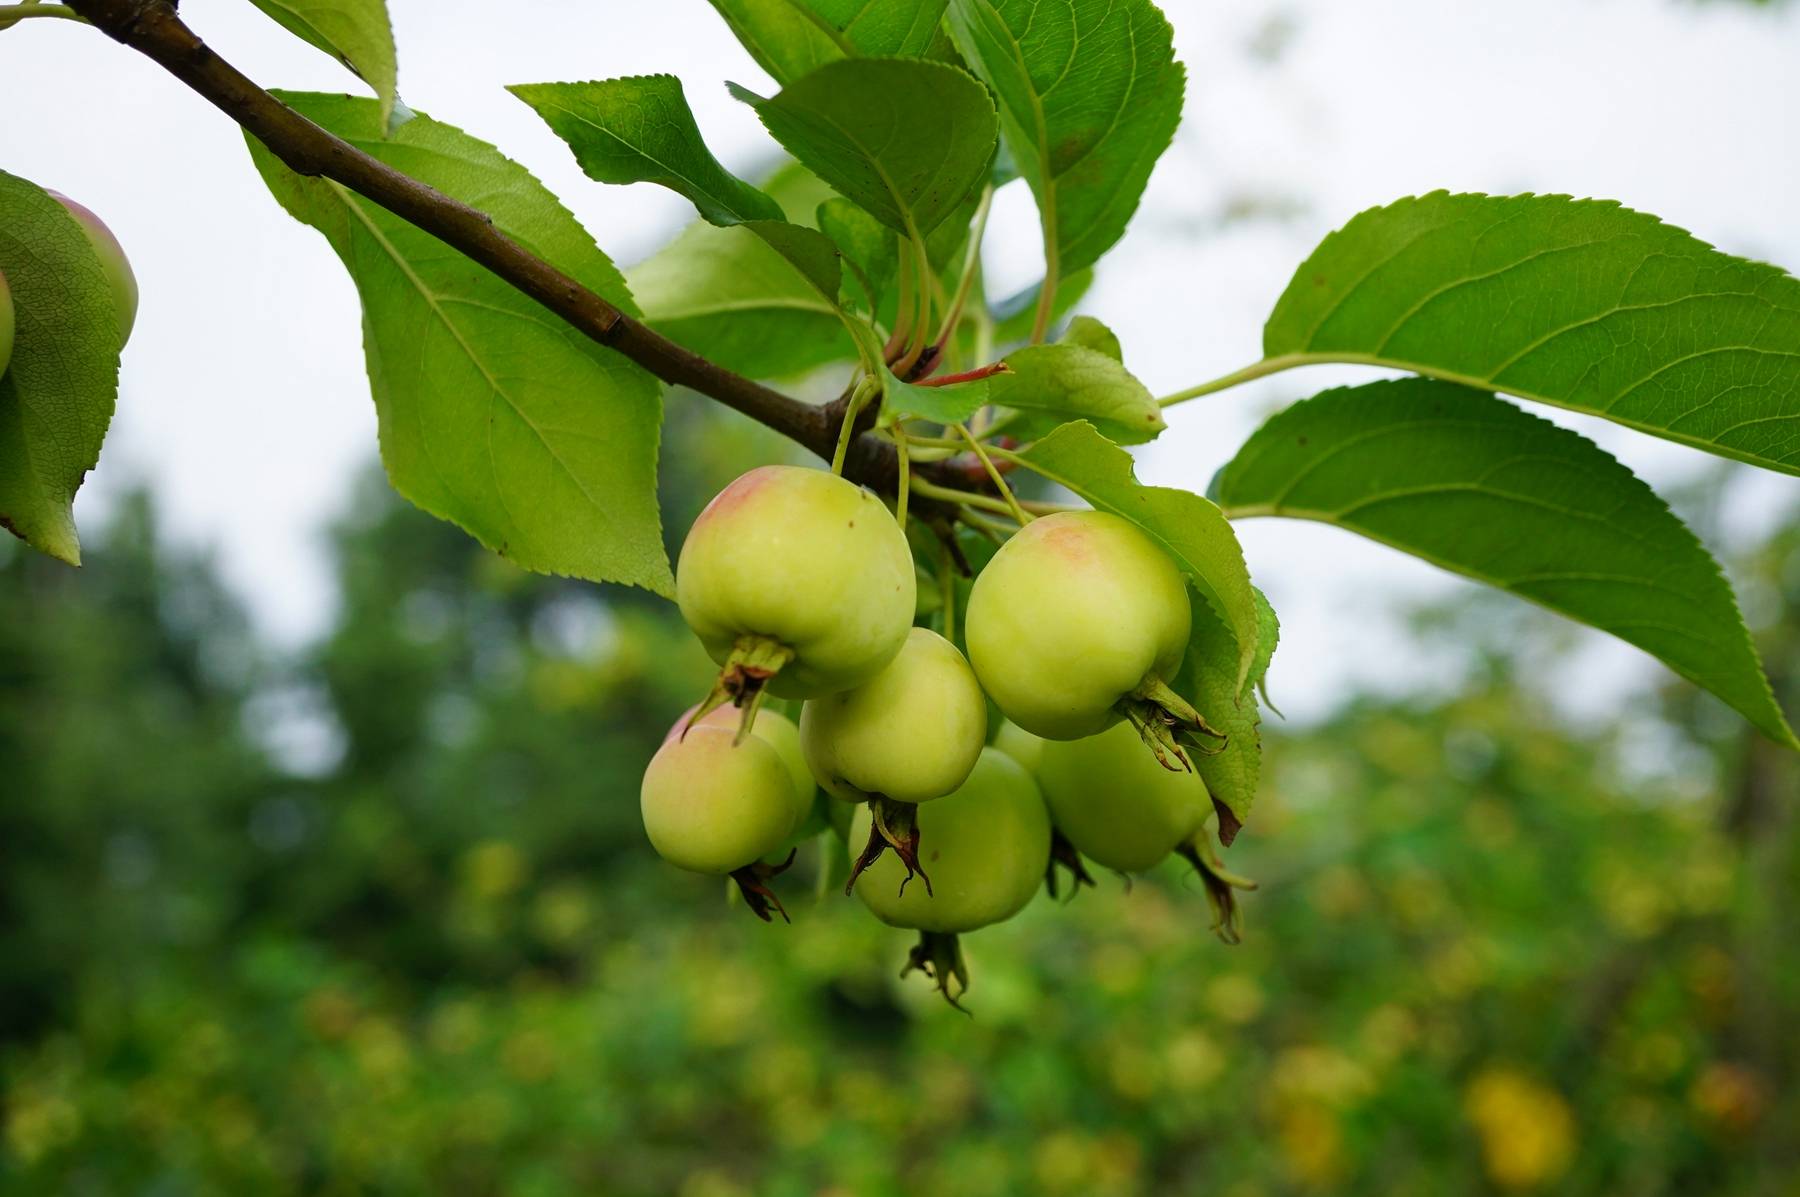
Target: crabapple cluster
(802,586)
(113,263)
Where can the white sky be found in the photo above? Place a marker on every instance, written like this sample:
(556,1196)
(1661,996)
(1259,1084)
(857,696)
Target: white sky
(245,403)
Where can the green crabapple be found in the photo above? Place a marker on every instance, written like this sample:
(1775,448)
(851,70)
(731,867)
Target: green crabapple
(988,846)
(989,841)
(1028,750)
(117,267)
(714,804)
(1020,745)
(911,733)
(1080,620)
(774,729)
(1115,804)
(798,583)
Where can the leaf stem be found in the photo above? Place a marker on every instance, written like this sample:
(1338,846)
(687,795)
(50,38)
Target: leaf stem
(1250,373)
(1046,303)
(921,322)
(995,532)
(905,480)
(946,573)
(971,266)
(987,463)
(847,429)
(949,494)
(903,313)
(12,14)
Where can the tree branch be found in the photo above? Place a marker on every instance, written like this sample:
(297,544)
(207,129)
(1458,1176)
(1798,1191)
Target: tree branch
(153,28)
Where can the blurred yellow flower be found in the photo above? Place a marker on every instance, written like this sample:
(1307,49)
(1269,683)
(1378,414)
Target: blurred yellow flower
(1311,1142)
(1235,997)
(1527,1130)
(492,869)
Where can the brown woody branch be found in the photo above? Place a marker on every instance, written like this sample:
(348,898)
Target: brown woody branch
(153,28)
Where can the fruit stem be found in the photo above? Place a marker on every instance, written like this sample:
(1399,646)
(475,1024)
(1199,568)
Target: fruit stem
(743,680)
(905,481)
(987,463)
(949,494)
(1227,920)
(939,956)
(859,395)
(947,590)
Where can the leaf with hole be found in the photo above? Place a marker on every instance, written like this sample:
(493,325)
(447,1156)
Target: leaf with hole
(1476,485)
(1579,303)
(493,412)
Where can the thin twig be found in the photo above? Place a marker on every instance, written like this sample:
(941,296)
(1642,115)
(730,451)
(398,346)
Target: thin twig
(999,481)
(154,29)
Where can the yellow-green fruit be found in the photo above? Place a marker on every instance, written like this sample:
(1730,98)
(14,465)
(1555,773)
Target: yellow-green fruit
(1114,802)
(985,848)
(713,806)
(6,325)
(804,559)
(1072,615)
(911,733)
(1021,746)
(112,260)
(775,730)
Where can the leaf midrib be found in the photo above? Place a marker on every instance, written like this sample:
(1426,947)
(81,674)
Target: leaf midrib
(432,301)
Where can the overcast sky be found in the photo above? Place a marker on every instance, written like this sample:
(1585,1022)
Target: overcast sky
(244,400)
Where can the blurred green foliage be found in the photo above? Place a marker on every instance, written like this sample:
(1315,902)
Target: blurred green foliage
(381,920)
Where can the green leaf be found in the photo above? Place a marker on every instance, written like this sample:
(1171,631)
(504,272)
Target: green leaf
(867,244)
(1050,384)
(56,398)
(907,140)
(792,38)
(1268,637)
(726,294)
(1089,333)
(355,32)
(953,404)
(641,130)
(493,413)
(1090,94)
(1580,303)
(1473,484)
(1191,529)
(1208,679)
